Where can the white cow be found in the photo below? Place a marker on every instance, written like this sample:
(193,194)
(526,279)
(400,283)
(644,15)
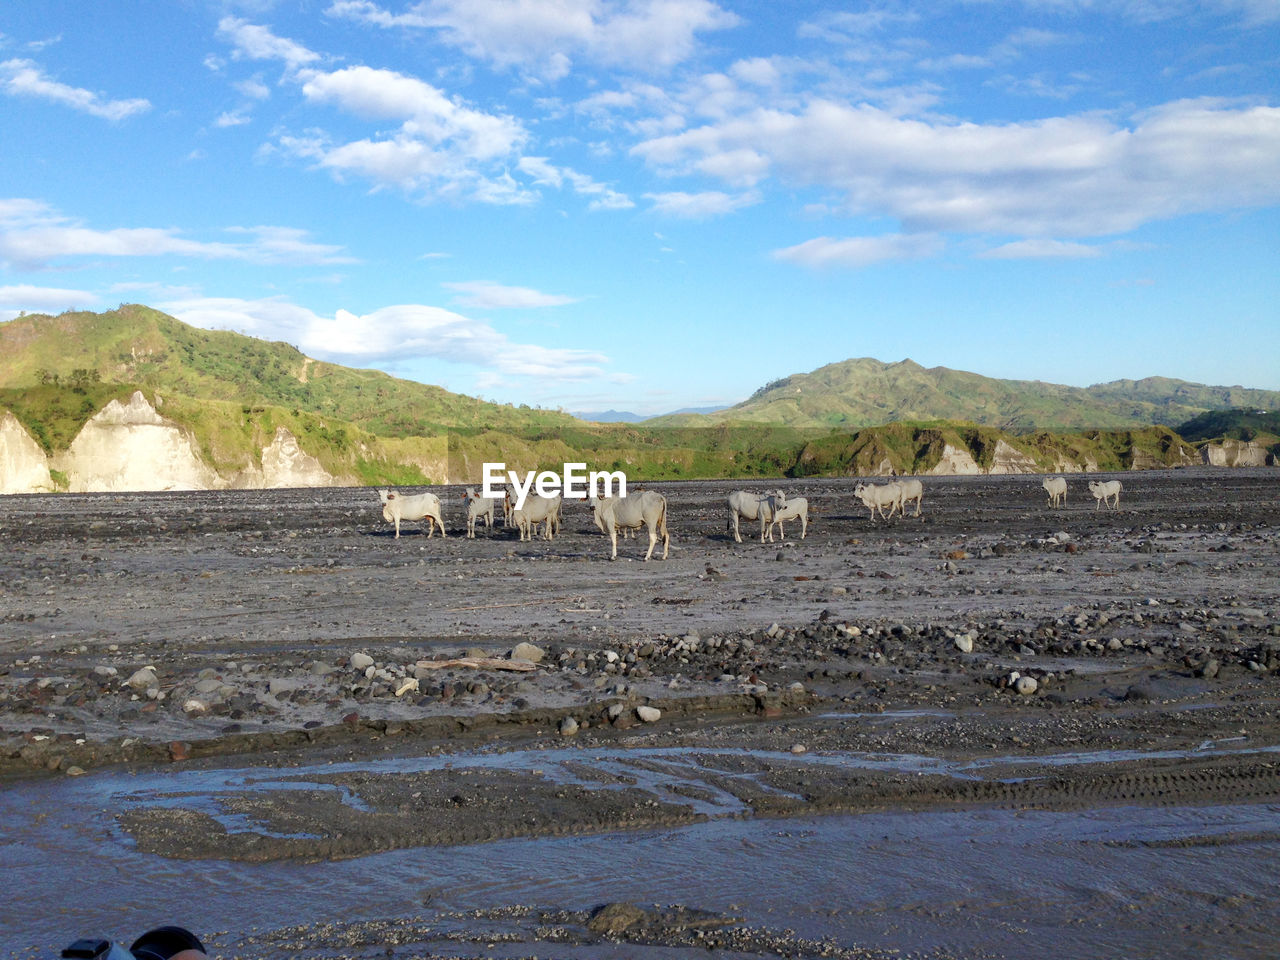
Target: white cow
(1102,490)
(797,509)
(874,496)
(478,508)
(1056,487)
(911,490)
(537,509)
(396,507)
(647,509)
(746,506)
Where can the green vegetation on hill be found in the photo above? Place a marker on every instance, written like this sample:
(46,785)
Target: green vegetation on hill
(1235,424)
(231,393)
(866,392)
(918,447)
(142,347)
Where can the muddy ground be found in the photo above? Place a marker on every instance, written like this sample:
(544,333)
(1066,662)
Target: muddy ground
(288,628)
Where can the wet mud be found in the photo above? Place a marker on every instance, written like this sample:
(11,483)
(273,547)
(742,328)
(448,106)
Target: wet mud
(873,668)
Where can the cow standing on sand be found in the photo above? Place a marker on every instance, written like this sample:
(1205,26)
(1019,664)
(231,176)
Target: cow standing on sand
(796,508)
(875,496)
(647,509)
(744,505)
(1056,488)
(478,508)
(537,509)
(911,490)
(396,507)
(1102,490)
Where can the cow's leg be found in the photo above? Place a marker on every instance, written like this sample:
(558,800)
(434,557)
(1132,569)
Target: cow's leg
(613,540)
(397,528)
(653,540)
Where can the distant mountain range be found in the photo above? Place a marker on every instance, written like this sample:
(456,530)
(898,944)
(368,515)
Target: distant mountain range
(625,416)
(240,411)
(866,392)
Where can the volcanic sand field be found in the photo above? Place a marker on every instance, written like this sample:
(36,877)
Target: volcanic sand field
(1152,632)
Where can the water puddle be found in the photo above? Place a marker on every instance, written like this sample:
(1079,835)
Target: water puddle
(1166,882)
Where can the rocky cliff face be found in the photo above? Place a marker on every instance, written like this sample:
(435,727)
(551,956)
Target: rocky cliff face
(1235,453)
(129,446)
(1006,459)
(285,464)
(23,466)
(955,462)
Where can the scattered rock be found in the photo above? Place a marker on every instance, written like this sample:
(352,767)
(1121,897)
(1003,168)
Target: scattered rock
(142,679)
(649,714)
(1026,686)
(614,919)
(568,727)
(361,661)
(527,651)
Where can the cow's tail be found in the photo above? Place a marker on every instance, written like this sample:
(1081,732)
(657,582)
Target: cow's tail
(662,523)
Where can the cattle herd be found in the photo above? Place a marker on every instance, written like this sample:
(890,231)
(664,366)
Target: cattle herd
(648,509)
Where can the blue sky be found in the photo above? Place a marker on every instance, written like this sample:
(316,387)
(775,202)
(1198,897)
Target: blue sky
(651,204)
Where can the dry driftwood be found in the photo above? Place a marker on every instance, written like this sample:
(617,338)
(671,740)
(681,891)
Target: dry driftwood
(479,663)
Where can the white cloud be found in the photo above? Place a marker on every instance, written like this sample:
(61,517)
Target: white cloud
(23,297)
(428,114)
(232,118)
(34,235)
(860,251)
(441,147)
(26,78)
(1250,12)
(1040,247)
(544,173)
(1080,175)
(486,296)
(699,206)
(253,88)
(542,36)
(397,333)
(253,42)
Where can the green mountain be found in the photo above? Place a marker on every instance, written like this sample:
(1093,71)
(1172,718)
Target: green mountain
(866,392)
(1235,424)
(231,394)
(147,349)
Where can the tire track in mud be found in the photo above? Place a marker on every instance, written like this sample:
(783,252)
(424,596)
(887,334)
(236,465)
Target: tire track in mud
(467,805)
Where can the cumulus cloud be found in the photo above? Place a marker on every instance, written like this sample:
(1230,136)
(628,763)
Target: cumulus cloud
(32,234)
(440,148)
(396,333)
(860,251)
(485,295)
(251,41)
(25,78)
(543,36)
(1072,176)
(544,173)
(20,298)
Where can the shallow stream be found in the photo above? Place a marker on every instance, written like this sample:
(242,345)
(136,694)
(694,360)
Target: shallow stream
(1157,882)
